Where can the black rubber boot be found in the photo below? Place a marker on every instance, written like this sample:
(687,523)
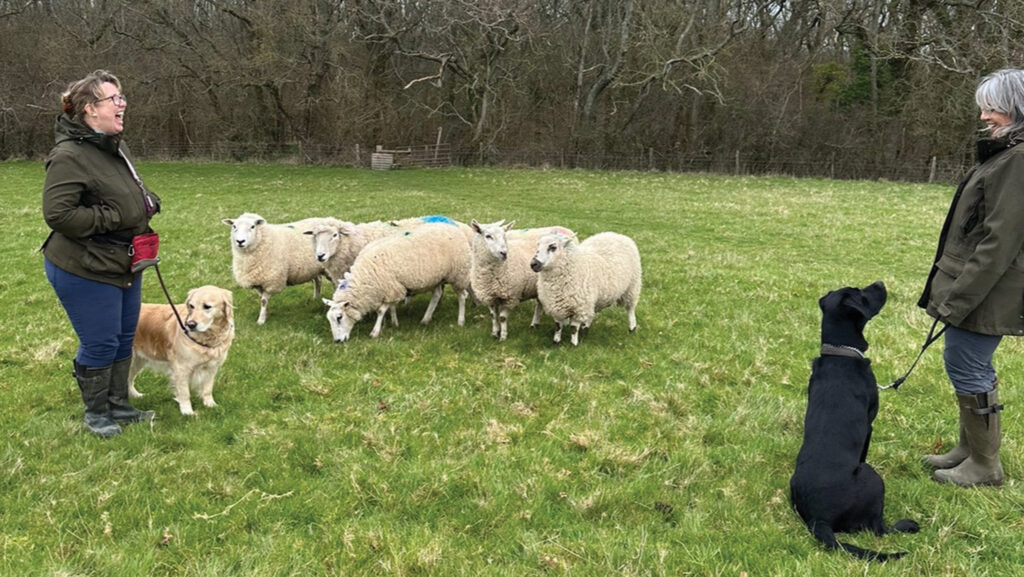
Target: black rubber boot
(94,384)
(120,409)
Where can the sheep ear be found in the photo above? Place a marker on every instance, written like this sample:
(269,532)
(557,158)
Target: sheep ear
(309,232)
(328,303)
(260,221)
(347,229)
(566,241)
(475,225)
(509,226)
(228,222)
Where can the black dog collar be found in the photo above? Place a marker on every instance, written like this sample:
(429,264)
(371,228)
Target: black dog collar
(841,351)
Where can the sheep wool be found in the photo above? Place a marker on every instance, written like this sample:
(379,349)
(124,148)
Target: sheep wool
(501,276)
(387,270)
(574,282)
(268,257)
(336,243)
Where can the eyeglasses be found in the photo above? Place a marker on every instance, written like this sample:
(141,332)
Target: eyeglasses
(117,99)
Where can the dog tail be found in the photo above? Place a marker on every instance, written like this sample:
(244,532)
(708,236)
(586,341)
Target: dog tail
(827,536)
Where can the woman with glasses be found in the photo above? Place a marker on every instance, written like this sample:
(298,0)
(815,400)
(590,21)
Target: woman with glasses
(94,203)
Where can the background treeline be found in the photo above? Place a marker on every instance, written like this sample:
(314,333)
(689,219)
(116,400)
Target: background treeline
(861,88)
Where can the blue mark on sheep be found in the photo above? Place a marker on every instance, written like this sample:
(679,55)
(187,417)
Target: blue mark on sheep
(437,218)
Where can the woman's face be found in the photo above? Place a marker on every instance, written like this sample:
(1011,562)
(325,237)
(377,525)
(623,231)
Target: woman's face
(106,115)
(994,120)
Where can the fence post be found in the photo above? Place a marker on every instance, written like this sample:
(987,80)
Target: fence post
(737,170)
(357,155)
(650,158)
(438,145)
(931,173)
(832,166)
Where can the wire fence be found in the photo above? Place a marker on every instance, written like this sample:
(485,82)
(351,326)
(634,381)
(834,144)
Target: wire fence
(850,165)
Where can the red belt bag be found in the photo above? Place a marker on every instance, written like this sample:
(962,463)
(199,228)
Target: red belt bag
(143,251)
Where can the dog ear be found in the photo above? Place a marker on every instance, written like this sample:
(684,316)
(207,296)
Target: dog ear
(229,305)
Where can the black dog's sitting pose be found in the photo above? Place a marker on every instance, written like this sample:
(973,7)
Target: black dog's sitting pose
(833,489)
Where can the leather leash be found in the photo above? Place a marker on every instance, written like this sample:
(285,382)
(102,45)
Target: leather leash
(932,337)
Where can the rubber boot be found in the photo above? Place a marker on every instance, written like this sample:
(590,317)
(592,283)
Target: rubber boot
(120,409)
(959,452)
(984,435)
(94,384)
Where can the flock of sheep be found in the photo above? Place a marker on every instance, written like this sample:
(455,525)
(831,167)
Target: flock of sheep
(374,266)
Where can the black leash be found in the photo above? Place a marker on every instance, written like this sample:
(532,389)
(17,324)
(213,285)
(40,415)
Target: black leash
(932,337)
(174,309)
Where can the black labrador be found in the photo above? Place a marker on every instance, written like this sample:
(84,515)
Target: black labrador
(833,489)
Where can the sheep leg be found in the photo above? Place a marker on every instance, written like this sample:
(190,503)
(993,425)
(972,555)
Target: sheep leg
(575,338)
(434,299)
(503,321)
(394,315)
(316,288)
(264,299)
(631,311)
(462,306)
(381,313)
(537,310)
(558,332)
(495,328)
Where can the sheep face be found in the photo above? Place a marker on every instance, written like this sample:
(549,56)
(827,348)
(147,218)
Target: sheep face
(325,242)
(342,317)
(245,230)
(493,237)
(549,249)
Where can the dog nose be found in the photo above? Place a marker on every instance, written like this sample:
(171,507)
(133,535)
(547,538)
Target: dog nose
(191,325)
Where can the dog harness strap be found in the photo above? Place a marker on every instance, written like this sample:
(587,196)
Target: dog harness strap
(841,351)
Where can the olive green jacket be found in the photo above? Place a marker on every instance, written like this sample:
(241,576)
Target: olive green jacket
(977,279)
(93,204)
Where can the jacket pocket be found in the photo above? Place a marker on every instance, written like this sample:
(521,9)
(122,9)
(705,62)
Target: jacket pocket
(106,257)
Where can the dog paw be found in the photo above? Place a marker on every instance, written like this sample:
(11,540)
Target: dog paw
(906,526)
(209,402)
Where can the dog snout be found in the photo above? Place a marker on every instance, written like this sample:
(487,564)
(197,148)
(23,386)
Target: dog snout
(191,324)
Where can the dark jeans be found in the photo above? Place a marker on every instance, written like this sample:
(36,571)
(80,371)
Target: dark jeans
(968,357)
(103,315)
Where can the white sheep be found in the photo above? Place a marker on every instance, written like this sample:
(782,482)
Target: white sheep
(268,257)
(501,276)
(388,269)
(336,243)
(574,281)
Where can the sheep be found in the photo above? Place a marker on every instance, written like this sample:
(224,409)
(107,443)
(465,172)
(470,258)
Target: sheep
(388,269)
(575,281)
(267,257)
(336,243)
(501,276)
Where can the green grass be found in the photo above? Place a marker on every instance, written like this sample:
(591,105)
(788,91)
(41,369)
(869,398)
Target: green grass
(437,451)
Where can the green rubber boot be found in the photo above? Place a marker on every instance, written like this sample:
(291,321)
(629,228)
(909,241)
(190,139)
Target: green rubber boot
(984,435)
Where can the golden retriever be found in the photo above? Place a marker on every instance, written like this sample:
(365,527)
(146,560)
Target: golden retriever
(192,357)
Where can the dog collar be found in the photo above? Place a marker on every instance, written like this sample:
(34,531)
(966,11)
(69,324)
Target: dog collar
(841,351)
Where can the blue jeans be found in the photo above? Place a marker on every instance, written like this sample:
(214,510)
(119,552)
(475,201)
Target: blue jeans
(103,315)
(968,357)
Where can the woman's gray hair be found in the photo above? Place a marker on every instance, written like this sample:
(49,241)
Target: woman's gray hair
(1003,91)
(86,91)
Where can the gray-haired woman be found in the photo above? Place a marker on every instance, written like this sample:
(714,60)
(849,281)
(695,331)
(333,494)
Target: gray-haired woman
(976,284)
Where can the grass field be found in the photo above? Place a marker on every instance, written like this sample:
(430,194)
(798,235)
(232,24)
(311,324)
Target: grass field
(436,450)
